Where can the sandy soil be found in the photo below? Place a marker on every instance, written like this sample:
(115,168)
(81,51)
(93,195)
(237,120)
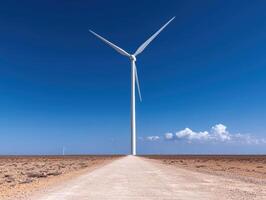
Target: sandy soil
(133,177)
(246,168)
(22,176)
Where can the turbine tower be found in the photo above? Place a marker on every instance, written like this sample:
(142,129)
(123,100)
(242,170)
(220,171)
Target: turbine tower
(134,78)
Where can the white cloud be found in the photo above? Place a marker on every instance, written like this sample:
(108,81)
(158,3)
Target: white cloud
(169,136)
(153,138)
(247,139)
(218,133)
(191,135)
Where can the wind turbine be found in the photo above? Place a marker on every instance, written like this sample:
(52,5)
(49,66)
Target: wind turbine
(134,78)
(63,150)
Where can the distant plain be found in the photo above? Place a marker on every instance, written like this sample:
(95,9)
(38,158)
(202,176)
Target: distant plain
(250,168)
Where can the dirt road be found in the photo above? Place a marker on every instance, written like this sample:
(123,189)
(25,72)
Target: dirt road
(139,178)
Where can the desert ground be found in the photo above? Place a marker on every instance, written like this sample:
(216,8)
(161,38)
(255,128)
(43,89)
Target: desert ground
(249,168)
(133,177)
(21,176)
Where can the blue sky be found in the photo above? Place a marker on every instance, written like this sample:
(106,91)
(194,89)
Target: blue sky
(61,86)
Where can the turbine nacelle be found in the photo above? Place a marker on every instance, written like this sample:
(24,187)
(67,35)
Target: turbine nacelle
(133,58)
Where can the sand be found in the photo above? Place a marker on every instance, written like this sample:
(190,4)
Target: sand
(239,177)
(22,176)
(246,168)
(133,177)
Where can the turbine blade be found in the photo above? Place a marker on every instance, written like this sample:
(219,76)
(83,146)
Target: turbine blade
(145,44)
(137,81)
(118,49)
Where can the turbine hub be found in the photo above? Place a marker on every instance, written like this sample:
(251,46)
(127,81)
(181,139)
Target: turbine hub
(133,58)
